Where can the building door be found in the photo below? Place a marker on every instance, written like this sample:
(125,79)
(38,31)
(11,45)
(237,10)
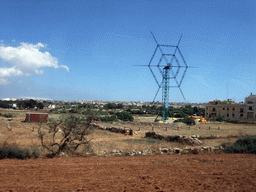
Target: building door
(250,115)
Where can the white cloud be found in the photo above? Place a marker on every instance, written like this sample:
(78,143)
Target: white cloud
(65,67)
(12,71)
(26,59)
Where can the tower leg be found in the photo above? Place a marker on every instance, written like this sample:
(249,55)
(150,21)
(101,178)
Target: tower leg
(165,96)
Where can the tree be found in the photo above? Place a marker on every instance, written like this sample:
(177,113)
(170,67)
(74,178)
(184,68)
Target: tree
(74,130)
(110,106)
(27,104)
(124,116)
(186,120)
(120,106)
(178,115)
(40,105)
(31,104)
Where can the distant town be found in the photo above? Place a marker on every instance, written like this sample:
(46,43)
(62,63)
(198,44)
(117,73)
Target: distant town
(51,104)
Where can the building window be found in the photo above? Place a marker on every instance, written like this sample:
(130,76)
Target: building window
(249,102)
(233,115)
(227,115)
(250,108)
(241,110)
(213,109)
(206,114)
(223,108)
(206,108)
(233,109)
(241,115)
(227,108)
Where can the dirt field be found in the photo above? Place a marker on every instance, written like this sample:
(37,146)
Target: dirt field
(210,172)
(236,172)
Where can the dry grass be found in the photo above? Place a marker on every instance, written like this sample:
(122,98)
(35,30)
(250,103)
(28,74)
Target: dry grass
(25,134)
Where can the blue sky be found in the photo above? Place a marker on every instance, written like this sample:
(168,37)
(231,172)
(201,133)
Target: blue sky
(86,50)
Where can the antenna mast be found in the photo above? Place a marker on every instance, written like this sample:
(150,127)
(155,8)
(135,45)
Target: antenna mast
(175,64)
(167,72)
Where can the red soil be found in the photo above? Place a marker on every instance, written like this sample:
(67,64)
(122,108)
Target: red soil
(221,172)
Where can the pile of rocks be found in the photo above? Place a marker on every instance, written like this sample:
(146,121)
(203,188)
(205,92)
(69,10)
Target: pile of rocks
(190,140)
(167,151)
(190,150)
(125,131)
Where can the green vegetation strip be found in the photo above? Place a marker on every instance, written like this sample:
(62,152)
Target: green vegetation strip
(243,145)
(17,153)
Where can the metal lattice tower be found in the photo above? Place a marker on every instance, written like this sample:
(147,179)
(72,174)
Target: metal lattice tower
(170,70)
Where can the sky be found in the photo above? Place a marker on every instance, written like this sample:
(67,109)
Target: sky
(89,49)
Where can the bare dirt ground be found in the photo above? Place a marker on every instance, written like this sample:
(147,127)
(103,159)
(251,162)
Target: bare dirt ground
(202,172)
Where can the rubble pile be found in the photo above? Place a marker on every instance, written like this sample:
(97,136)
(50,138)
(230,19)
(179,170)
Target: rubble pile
(125,131)
(162,151)
(190,140)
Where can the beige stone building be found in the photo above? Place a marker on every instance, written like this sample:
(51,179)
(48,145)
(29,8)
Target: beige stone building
(231,109)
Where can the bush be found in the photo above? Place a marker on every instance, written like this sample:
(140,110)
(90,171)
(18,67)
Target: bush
(7,115)
(220,119)
(108,118)
(63,111)
(72,111)
(186,120)
(15,152)
(85,112)
(210,137)
(124,116)
(178,115)
(243,145)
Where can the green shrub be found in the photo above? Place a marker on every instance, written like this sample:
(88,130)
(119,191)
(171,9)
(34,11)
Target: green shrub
(63,111)
(108,118)
(124,116)
(85,112)
(186,120)
(178,115)
(243,145)
(73,111)
(141,141)
(210,137)
(15,152)
(7,115)
(220,119)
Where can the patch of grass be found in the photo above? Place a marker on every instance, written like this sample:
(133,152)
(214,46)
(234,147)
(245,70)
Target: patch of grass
(210,137)
(243,145)
(108,118)
(15,152)
(140,141)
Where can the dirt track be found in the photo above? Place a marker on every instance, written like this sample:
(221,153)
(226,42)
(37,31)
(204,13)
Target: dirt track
(235,172)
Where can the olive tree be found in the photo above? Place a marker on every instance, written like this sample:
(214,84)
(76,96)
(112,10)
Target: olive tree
(66,134)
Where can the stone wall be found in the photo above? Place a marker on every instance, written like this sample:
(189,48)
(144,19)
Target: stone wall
(125,131)
(162,151)
(191,140)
